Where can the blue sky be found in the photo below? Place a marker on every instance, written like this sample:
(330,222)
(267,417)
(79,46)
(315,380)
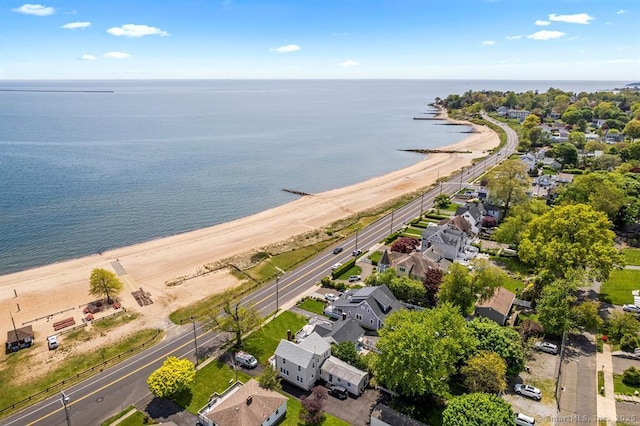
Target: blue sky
(432,39)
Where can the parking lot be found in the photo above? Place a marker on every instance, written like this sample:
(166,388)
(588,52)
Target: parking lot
(541,374)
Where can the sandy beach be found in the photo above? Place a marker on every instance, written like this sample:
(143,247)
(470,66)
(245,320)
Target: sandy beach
(49,289)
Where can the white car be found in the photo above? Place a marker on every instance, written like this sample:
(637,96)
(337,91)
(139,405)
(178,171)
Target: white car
(524,420)
(631,308)
(547,347)
(354,278)
(529,391)
(52,342)
(330,297)
(336,266)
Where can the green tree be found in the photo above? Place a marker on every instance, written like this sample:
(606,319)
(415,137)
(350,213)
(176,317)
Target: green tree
(629,342)
(601,190)
(408,290)
(585,315)
(554,306)
(346,351)
(269,378)
(104,283)
(463,288)
(441,201)
(478,409)
(419,350)
(578,139)
(531,121)
(621,324)
(566,154)
(234,318)
(512,227)
(508,183)
(504,341)
(312,413)
(571,237)
(380,279)
(485,372)
(174,376)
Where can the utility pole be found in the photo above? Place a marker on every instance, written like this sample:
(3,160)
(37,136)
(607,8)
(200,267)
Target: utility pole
(65,400)
(421,201)
(391,229)
(277,282)
(356,239)
(461,173)
(195,339)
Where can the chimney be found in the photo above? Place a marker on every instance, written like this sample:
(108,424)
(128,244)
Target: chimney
(249,399)
(289,335)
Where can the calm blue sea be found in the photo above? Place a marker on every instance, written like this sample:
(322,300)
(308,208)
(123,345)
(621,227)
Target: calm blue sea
(85,172)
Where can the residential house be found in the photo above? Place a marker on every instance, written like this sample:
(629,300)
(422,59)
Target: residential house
(564,178)
(414,265)
(337,372)
(613,137)
(493,211)
(451,236)
(530,161)
(472,212)
(551,162)
(369,306)
(517,113)
(502,111)
(599,122)
(299,364)
(437,255)
(384,263)
(19,338)
(244,405)
(334,332)
(498,307)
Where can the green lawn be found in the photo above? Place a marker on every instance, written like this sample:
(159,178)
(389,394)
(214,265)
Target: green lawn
(375,256)
(623,388)
(293,416)
(354,270)
(617,289)
(117,416)
(631,256)
(513,265)
(137,419)
(312,305)
(514,285)
(213,377)
(262,343)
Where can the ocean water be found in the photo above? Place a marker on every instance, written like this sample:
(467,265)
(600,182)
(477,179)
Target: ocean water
(83,172)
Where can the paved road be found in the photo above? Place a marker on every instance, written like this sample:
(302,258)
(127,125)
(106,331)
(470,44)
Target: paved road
(114,389)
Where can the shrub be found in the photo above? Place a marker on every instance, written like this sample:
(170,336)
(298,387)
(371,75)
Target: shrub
(530,328)
(631,376)
(405,245)
(629,343)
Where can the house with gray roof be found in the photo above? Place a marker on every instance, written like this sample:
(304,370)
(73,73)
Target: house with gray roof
(368,306)
(244,405)
(498,307)
(472,212)
(529,160)
(448,238)
(385,262)
(337,372)
(342,330)
(414,265)
(299,364)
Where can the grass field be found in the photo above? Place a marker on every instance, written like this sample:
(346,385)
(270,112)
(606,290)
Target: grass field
(312,305)
(514,285)
(620,387)
(354,270)
(617,289)
(262,343)
(631,256)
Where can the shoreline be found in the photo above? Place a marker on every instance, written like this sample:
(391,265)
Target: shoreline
(64,285)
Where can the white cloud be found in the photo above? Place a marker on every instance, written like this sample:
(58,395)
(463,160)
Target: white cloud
(578,18)
(514,37)
(541,23)
(75,25)
(546,35)
(488,42)
(286,48)
(621,11)
(87,57)
(134,30)
(349,63)
(35,9)
(116,55)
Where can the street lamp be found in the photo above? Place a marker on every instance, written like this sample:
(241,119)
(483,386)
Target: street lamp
(195,339)
(65,400)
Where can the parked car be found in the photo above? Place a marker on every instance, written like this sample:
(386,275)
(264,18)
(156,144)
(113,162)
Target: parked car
(336,266)
(52,342)
(631,308)
(330,297)
(338,392)
(338,250)
(356,253)
(528,391)
(354,278)
(246,360)
(547,347)
(524,420)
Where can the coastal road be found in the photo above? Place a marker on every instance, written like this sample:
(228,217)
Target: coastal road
(114,389)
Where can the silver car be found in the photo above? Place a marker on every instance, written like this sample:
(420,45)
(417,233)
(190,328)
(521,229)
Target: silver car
(547,347)
(631,308)
(528,391)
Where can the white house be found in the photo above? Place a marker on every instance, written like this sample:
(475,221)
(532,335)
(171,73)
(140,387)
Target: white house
(338,372)
(244,405)
(300,363)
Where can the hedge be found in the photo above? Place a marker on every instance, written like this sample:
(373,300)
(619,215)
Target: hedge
(342,269)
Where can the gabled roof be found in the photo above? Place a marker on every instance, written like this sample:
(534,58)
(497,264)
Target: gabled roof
(315,344)
(416,263)
(380,300)
(294,353)
(22,333)
(501,301)
(346,330)
(249,404)
(384,260)
(343,370)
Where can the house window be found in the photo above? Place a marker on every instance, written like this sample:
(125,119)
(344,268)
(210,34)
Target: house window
(371,321)
(339,381)
(348,384)
(359,317)
(277,411)
(299,368)
(284,361)
(362,307)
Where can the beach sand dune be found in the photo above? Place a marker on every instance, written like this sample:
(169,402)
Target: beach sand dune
(64,286)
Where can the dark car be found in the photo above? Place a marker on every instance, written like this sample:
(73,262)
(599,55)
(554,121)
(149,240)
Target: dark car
(338,392)
(337,250)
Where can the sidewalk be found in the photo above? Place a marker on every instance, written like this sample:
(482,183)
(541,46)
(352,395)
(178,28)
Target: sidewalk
(606,405)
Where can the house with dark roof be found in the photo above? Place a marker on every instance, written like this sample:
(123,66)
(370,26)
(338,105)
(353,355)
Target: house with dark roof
(244,405)
(299,364)
(472,212)
(385,262)
(369,306)
(336,332)
(19,338)
(498,307)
